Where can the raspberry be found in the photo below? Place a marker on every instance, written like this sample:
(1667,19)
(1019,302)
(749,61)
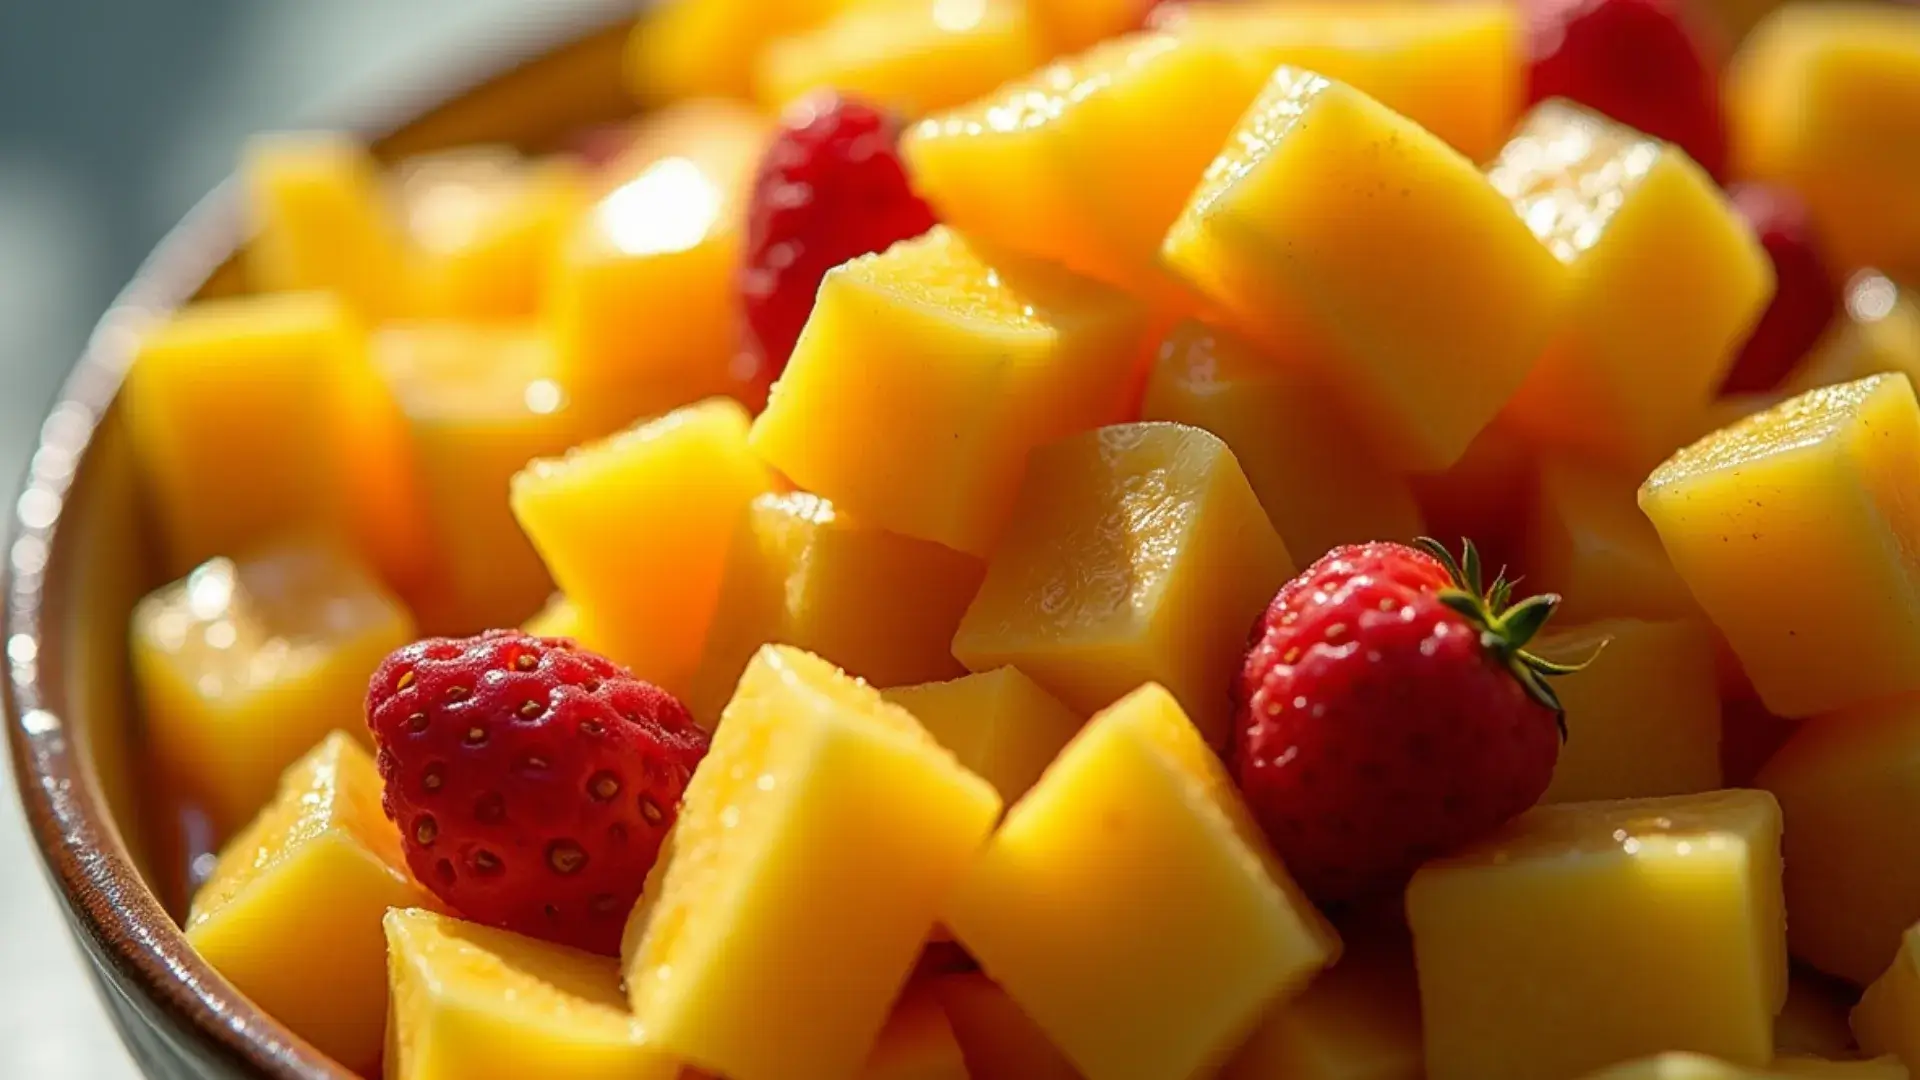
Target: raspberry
(832,187)
(1805,298)
(532,781)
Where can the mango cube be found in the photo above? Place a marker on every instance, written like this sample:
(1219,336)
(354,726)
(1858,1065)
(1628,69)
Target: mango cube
(918,1042)
(1457,69)
(636,529)
(487,228)
(1887,1020)
(642,301)
(999,723)
(1073,25)
(291,915)
(1849,784)
(1138,554)
(1347,237)
(911,56)
(701,48)
(1791,530)
(813,850)
(1813,1023)
(1666,280)
(1589,542)
(1589,933)
(1130,905)
(802,573)
(1317,491)
(474,1003)
(1360,1020)
(997,1038)
(244,665)
(560,618)
(1877,332)
(1644,718)
(323,222)
(1009,355)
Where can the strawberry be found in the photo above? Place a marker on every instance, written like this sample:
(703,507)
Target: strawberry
(1806,295)
(831,187)
(1388,711)
(532,780)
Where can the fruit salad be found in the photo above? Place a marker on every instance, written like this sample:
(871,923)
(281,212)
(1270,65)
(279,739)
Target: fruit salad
(1074,540)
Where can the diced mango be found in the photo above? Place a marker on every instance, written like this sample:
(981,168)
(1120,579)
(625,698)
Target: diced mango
(1487,496)
(1589,542)
(291,915)
(560,618)
(487,228)
(911,56)
(1347,237)
(1887,1020)
(1360,1020)
(1317,489)
(1590,933)
(479,403)
(1814,1020)
(999,723)
(1825,98)
(323,221)
(1877,332)
(1849,784)
(243,665)
(814,847)
(701,48)
(1792,529)
(997,1038)
(802,573)
(643,300)
(1130,905)
(1457,69)
(1684,1066)
(1666,280)
(636,530)
(1643,719)
(474,1003)
(1138,553)
(1073,25)
(918,1042)
(1008,355)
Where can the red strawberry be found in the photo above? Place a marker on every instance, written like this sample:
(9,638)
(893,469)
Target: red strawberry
(832,187)
(1638,61)
(1805,298)
(532,780)
(1388,712)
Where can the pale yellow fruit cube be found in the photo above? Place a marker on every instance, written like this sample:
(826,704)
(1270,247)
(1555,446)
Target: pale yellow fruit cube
(1359,1020)
(1130,905)
(1589,933)
(814,848)
(1877,332)
(910,56)
(999,723)
(1589,542)
(323,220)
(1887,1020)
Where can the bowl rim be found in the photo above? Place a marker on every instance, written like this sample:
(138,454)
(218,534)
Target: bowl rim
(106,901)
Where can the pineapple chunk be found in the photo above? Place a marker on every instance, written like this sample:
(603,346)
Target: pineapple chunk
(918,1042)
(636,529)
(911,56)
(1073,25)
(1791,529)
(291,915)
(322,221)
(999,723)
(1589,933)
(1008,355)
(1360,1020)
(487,228)
(1130,905)
(1887,1020)
(1138,553)
(997,1038)
(696,48)
(815,845)
(474,1003)
(1589,542)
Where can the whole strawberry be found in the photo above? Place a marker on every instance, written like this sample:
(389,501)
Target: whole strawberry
(532,781)
(831,187)
(1388,711)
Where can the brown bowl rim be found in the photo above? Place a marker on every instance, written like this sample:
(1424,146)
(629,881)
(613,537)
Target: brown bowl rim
(107,902)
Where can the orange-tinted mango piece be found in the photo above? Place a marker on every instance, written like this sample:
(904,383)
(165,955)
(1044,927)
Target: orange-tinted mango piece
(1589,542)
(911,56)
(999,723)
(323,221)
(487,228)
(1877,332)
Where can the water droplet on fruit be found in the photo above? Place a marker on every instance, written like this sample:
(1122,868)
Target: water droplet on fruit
(603,786)
(730,818)
(651,810)
(566,857)
(532,763)
(425,830)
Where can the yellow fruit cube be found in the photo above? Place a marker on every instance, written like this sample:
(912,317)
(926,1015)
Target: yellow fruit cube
(1791,528)
(1813,1023)
(560,618)
(1009,355)
(322,220)
(1345,235)
(1130,905)
(1457,69)
(1644,718)
(1138,554)
(997,1038)
(243,665)
(1887,1067)
(1360,1020)
(699,48)
(1318,492)
(291,915)
(1590,933)
(814,848)
(918,1042)
(1666,279)
(999,723)
(1589,542)
(479,402)
(642,307)
(1073,25)
(1684,1066)
(911,56)
(802,573)
(636,530)
(1825,98)
(1879,331)
(1849,784)
(474,1003)
(487,228)
(1887,1020)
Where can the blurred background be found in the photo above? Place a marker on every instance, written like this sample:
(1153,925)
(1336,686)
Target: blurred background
(115,116)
